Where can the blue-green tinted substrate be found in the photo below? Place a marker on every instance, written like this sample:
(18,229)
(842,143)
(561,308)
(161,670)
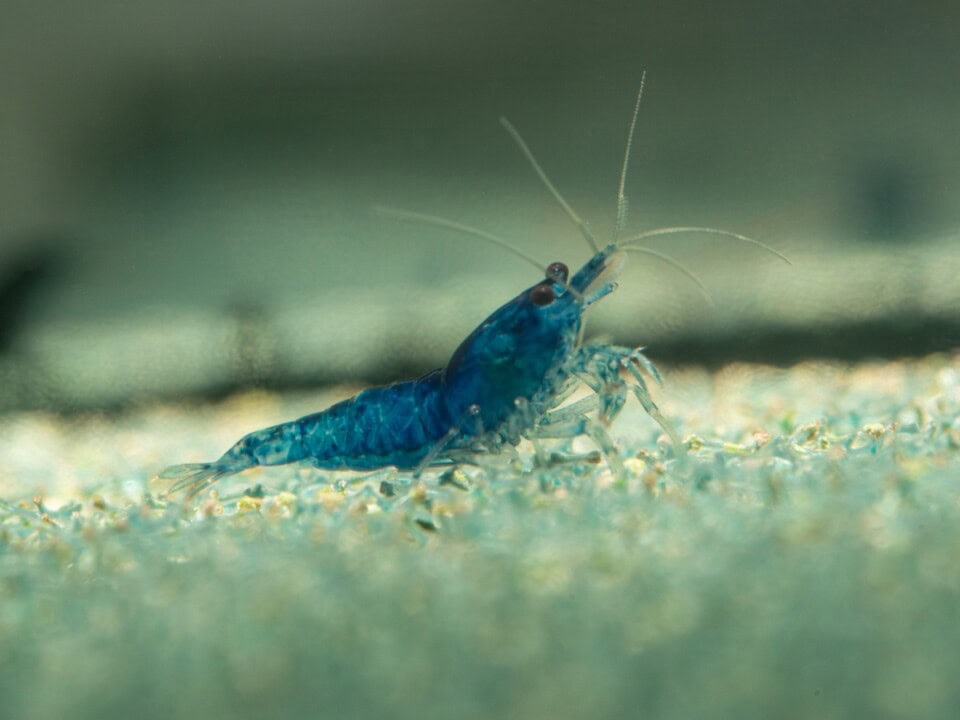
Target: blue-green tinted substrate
(790,569)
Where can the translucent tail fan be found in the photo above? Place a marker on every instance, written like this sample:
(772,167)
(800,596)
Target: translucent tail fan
(194,477)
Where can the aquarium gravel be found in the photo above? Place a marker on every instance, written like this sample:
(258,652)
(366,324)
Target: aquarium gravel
(800,560)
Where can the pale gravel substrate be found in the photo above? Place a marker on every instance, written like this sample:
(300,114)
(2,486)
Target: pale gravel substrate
(804,562)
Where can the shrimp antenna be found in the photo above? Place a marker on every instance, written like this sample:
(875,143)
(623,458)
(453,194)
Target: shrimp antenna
(626,244)
(424,219)
(621,196)
(524,148)
(676,264)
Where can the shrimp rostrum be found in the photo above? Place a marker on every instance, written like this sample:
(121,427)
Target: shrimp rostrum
(507,381)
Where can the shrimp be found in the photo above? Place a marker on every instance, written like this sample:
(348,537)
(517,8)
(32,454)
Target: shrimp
(506,381)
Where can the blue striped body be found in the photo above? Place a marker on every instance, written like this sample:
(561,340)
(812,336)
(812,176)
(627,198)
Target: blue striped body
(509,371)
(392,425)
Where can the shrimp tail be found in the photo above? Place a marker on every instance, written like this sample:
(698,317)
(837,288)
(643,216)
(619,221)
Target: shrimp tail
(195,477)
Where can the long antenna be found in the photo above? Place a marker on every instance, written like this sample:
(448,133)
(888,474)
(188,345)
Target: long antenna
(584,230)
(424,219)
(676,264)
(621,196)
(712,231)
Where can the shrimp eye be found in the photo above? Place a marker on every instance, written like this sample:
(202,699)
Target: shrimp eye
(558,272)
(542,295)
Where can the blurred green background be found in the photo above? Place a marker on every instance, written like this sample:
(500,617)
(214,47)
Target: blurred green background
(185,187)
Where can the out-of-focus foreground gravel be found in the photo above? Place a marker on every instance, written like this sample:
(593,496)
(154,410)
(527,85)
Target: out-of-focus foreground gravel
(803,561)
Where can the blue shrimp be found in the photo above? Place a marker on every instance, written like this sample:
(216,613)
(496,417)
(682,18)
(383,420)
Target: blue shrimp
(503,383)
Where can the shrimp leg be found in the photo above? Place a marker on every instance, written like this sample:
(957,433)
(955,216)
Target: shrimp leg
(599,367)
(583,425)
(473,412)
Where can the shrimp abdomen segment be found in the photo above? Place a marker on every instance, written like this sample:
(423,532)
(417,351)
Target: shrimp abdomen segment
(393,425)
